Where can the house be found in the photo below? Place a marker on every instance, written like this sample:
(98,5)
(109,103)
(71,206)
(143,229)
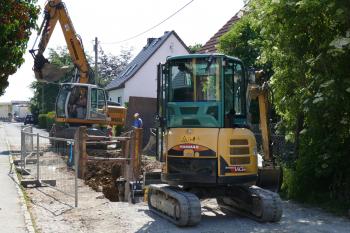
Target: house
(14,108)
(5,109)
(139,78)
(211,45)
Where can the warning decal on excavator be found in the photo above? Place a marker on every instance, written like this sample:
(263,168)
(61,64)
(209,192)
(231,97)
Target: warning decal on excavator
(178,150)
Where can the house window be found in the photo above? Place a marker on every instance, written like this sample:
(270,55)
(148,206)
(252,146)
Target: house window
(120,99)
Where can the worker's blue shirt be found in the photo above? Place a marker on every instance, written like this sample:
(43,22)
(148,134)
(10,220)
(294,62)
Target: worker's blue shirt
(137,123)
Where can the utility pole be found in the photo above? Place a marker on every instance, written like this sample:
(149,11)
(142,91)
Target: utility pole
(96,59)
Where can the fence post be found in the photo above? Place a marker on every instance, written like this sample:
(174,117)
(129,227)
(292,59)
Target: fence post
(76,167)
(80,150)
(137,152)
(22,147)
(37,157)
(128,165)
(31,141)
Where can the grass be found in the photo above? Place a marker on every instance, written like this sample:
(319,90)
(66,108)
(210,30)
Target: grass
(316,199)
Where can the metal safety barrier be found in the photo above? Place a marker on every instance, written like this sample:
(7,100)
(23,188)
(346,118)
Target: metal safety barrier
(50,162)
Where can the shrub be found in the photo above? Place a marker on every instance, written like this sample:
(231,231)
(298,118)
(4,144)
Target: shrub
(42,121)
(50,120)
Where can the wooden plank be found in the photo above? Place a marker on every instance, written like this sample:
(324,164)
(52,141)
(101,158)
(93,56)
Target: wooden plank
(80,150)
(105,158)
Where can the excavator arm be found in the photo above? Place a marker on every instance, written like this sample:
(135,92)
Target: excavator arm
(55,11)
(270,175)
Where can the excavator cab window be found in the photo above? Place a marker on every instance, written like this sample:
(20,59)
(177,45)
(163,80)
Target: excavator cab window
(205,92)
(61,100)
(194,93)
(234,94)
(77,104)
(98,103)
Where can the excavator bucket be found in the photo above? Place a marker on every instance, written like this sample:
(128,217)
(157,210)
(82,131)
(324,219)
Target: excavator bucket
(47,72)
(270,178)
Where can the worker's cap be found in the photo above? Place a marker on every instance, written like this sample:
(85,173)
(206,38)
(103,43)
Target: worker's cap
(136,115)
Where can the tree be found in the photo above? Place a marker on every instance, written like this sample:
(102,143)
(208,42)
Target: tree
(307,44)
(45,94)
(195,48)
(110,66)
(17,18)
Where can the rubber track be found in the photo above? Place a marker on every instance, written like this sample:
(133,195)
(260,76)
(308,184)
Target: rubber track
(189,205)
(270,204)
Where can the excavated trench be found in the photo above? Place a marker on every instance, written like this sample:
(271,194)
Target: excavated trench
(101,175)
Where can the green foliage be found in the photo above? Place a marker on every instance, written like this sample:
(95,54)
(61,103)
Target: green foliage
(45,94)
(17,18)
(46,120)
(42,121)
(307,44)
(117,130)
(50,120)
(109,66)
(195,48)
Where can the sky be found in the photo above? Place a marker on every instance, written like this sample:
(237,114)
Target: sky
(115,20)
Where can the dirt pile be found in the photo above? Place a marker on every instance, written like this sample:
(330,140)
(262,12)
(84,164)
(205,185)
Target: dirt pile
(149,164)
(104,153)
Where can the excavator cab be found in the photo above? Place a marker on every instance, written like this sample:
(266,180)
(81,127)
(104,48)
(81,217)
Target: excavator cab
(81,103)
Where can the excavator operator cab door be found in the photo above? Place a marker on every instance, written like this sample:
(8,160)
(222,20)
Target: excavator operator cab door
(79,102)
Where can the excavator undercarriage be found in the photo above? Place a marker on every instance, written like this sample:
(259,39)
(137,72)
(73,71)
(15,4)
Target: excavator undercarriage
(183,208)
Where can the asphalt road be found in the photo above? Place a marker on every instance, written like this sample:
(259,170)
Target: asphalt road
(96,214)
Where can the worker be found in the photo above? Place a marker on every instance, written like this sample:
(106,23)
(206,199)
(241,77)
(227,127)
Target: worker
(81,105)
(137,121)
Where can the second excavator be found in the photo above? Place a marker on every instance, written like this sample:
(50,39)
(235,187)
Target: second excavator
(79,102)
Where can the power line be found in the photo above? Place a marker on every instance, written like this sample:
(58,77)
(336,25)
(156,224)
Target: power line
(151,28)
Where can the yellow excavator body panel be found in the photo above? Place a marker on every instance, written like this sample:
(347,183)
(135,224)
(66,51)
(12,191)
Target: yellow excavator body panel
(234,149)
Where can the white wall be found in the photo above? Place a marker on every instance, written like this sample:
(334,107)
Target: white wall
(144,82)
(114,94)
(5,109)
(20,110)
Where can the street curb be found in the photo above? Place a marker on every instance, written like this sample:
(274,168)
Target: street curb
(27,218)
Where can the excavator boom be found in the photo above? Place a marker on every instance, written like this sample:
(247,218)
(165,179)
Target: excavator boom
(55,11)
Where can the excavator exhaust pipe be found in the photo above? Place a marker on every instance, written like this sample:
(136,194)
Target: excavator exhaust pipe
(270,178)
(47,72)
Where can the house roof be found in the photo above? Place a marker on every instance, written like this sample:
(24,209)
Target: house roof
(210,46)
(153,44)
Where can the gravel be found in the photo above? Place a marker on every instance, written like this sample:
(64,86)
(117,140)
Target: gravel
(97,214)
(54,212)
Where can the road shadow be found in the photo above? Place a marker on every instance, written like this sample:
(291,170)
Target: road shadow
(212,221)
(52,204)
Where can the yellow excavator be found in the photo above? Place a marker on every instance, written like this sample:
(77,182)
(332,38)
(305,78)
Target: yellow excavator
(206,145)
(79,102)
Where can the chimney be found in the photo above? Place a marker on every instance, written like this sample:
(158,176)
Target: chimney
(150,40)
